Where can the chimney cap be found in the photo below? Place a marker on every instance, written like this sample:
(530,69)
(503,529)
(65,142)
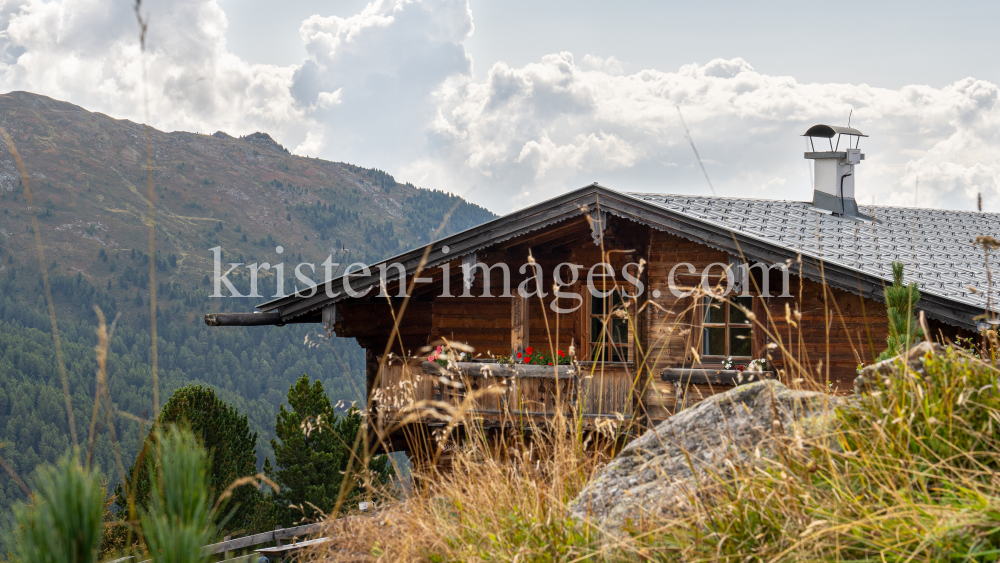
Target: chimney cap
(829,131)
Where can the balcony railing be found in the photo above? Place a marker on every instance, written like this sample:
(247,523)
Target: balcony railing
(499,393)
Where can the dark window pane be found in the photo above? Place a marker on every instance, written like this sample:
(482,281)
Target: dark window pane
(617,353)
(736,316)
(714,342)
(596,325)
(739,342)
(596,305)
(616,299)
(598,354)
(714,313)
(619,330)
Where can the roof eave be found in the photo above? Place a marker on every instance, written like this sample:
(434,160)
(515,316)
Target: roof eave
(564,207)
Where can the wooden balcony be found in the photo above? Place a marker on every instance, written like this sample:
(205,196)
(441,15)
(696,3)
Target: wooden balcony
(500,394)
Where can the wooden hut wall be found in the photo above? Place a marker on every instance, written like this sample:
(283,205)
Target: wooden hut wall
(481,322)
(836,332)
(671,330)
(839,329)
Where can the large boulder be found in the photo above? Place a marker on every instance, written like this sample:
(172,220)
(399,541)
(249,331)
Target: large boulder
(912,358)
(663,470)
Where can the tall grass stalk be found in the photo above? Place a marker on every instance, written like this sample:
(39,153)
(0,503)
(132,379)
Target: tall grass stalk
(13,475)
(150,196)
(101,392)
(44,272)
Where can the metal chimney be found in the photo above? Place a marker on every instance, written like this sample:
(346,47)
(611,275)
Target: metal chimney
(833,187)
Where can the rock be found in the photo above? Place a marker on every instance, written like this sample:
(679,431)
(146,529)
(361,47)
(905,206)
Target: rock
(658,473)
(913,358)
(264,140)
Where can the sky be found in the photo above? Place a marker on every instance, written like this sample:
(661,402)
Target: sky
(510,103)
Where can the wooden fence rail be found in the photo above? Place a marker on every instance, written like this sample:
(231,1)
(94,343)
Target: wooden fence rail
(257,539)
(247,541)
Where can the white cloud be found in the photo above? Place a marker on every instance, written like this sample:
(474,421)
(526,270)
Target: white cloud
(392,86)
(87,52)
(536,128)
(384,63)
(361,95)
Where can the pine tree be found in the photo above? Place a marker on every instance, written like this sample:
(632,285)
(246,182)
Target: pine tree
(226,435)
(313,453)
(904,329)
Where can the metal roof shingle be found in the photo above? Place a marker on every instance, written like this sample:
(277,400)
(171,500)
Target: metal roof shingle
(937,246)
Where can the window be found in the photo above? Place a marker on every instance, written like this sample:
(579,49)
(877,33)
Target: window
(726,330)
(608,331)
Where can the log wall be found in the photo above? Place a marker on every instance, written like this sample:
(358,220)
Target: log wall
(669,318)
(837,330)
(481,322)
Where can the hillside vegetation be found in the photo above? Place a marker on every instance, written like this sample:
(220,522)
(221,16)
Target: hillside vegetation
(247,195)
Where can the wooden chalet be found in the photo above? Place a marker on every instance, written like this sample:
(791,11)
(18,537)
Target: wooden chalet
(642,355)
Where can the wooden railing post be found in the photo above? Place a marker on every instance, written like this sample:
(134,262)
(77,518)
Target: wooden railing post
(277,540)
(228,554)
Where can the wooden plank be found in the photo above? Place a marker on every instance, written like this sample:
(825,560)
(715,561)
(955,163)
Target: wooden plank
(257,539)
(729,377)
(448,322)
(660,400)
(284,550)
(520,323)
(607,392)
(249,319)
(520,371)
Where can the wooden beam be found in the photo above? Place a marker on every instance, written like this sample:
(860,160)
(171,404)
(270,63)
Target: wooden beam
(519,371)
(371,372)
(520,326)
(257,539)
(553,231)
(253,319)
(758,346)
(331,318)
(725,377)
(518,249)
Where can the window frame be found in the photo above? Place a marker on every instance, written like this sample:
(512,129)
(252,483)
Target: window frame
(625,347)
(730,303)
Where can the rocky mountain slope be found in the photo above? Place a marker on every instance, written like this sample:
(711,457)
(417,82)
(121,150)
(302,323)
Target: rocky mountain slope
(247,195)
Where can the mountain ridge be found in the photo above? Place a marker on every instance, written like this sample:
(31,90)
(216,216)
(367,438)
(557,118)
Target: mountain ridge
(89,181)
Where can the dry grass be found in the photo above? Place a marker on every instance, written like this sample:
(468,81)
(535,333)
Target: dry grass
(493,502)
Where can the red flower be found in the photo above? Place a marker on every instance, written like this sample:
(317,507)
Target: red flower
(560,352)
(527,359)
(550,363)
(518,354)
(529,350)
